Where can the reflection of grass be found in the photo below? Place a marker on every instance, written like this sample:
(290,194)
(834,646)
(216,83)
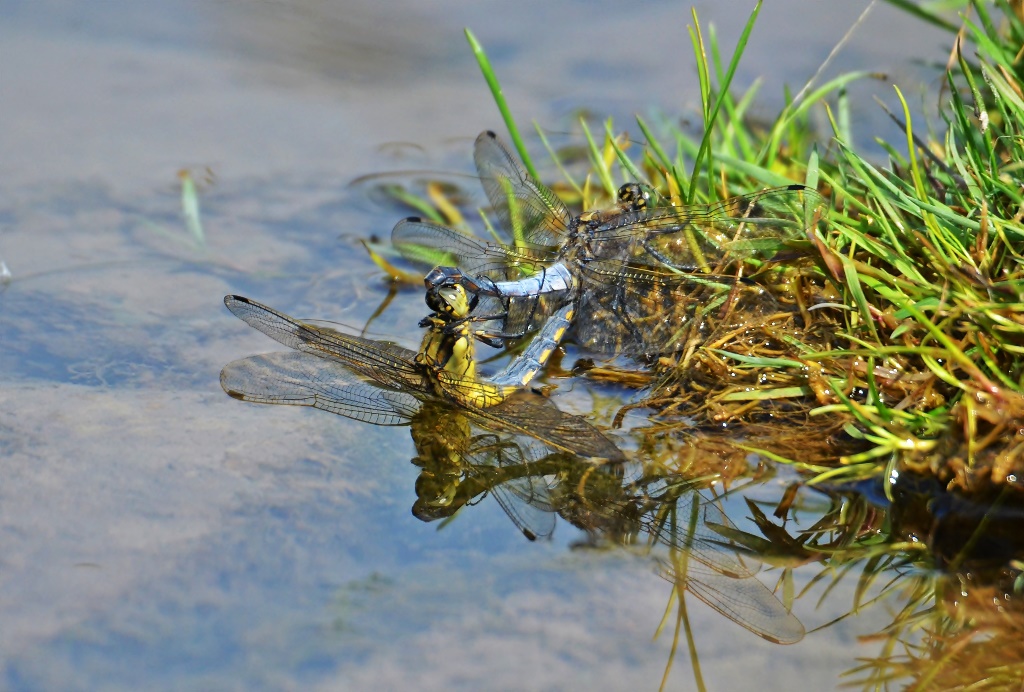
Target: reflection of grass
(190,208)
(949,628)
(946,646)
(196,238)
(946,633)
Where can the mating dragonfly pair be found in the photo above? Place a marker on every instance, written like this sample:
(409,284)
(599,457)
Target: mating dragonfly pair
(638,275)
(612,275)
(628,280)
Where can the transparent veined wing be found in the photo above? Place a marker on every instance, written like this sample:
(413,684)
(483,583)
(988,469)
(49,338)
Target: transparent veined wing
(431,244)
(294,378)
(386,363)
(754,227)
(744,600)
(530,212)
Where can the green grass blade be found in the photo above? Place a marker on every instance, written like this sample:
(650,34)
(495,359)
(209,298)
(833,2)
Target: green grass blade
(499,100)
(704,152)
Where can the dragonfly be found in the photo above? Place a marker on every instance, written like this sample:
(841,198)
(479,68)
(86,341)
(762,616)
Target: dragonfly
(457,418)
(639,273)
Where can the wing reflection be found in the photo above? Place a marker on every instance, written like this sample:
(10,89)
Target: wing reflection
(662,515)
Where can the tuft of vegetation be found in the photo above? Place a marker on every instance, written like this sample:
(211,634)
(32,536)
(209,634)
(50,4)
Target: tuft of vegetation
(897,342)
(890,345)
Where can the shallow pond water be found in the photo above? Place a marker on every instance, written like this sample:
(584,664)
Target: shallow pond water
(158,534)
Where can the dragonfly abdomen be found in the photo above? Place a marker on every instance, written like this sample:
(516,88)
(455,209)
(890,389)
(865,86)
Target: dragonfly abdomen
(525,367)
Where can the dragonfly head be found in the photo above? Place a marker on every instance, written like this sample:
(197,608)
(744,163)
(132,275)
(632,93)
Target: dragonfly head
(636,196)
(436,495)
(451,300)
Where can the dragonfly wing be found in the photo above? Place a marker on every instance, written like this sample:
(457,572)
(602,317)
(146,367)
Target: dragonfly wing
(527,209)
(432,244)
(706,237)
(387,363)
(745,601)
(523,500)
(623,312)
(534,415)
(302,379)
(521,488)
(636,311)
(699,539)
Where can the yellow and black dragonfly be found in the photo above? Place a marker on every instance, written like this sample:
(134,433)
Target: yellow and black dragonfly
(485,424)
(637,273)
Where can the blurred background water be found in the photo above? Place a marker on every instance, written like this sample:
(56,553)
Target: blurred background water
(156,533)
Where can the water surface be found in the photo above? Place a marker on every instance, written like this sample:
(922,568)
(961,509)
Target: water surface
(157,533)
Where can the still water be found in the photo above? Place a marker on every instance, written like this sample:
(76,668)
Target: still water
(158,534)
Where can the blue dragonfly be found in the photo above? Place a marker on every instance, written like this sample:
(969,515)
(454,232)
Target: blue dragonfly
(639,274)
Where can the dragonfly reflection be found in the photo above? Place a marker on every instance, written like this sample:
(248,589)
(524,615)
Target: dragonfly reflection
(638,273)
(461,463)
(662,514)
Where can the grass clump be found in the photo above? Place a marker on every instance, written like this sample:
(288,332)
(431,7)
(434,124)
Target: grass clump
(904,323)
(894,340)
(889,343)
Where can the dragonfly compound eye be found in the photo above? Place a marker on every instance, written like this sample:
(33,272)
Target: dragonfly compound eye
(454,300)
(434,278)
(634,196)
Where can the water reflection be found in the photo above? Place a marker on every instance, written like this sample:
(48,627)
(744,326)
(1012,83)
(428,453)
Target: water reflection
(950,570)
(658,513)
(959,624)
(458,467)
(691,539)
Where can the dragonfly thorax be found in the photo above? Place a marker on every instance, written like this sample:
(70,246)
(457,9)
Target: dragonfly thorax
(447,347)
